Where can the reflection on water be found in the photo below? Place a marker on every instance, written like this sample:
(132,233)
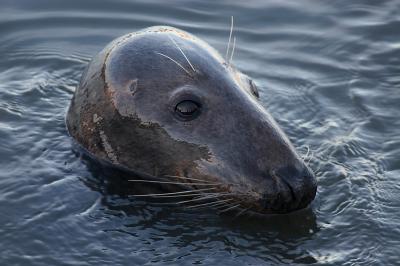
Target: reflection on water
(329,73)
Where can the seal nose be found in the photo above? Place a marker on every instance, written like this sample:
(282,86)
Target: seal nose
(294,190)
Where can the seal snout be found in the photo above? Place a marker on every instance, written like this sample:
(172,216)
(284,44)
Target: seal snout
(294,189)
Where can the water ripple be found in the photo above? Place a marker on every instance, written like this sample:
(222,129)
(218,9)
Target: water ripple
(329,73)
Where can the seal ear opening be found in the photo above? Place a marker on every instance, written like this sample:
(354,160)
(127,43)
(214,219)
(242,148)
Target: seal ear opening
(254,88)
(249,85)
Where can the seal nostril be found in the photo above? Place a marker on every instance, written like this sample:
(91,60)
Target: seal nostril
(292,193)
(297,189)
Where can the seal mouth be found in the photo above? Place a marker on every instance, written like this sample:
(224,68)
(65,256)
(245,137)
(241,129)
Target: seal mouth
(286,193)
(191,193)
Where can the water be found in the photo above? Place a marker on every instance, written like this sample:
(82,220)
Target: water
(328,71)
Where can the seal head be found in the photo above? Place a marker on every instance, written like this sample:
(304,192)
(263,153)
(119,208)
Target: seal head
(163,103)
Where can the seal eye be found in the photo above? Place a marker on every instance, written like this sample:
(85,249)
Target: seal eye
(187,109)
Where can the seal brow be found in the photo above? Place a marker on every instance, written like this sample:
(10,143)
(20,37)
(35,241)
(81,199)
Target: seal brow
(166,56)
(177,46)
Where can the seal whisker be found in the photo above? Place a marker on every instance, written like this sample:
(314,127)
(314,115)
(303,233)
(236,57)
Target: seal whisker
(171,193)
(166,56)
(171,182)
(233,50)
(197,199)
(209,204)
(308,151)
(241,212)
(319,168)
(229,208)
(189,178)
(179,48)
(225,205)
(180,195)
(189,195)
(229,42)
(215,206)
(310,158)
(251,212)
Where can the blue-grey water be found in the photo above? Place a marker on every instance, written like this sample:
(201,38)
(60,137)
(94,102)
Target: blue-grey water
(328,71)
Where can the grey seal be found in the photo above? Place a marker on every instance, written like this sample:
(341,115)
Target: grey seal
(165,105)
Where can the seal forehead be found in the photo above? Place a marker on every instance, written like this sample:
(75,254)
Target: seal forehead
(157,60)
(172,30)
(159,50)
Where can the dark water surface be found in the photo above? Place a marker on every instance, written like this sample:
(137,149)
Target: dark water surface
(329,72)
